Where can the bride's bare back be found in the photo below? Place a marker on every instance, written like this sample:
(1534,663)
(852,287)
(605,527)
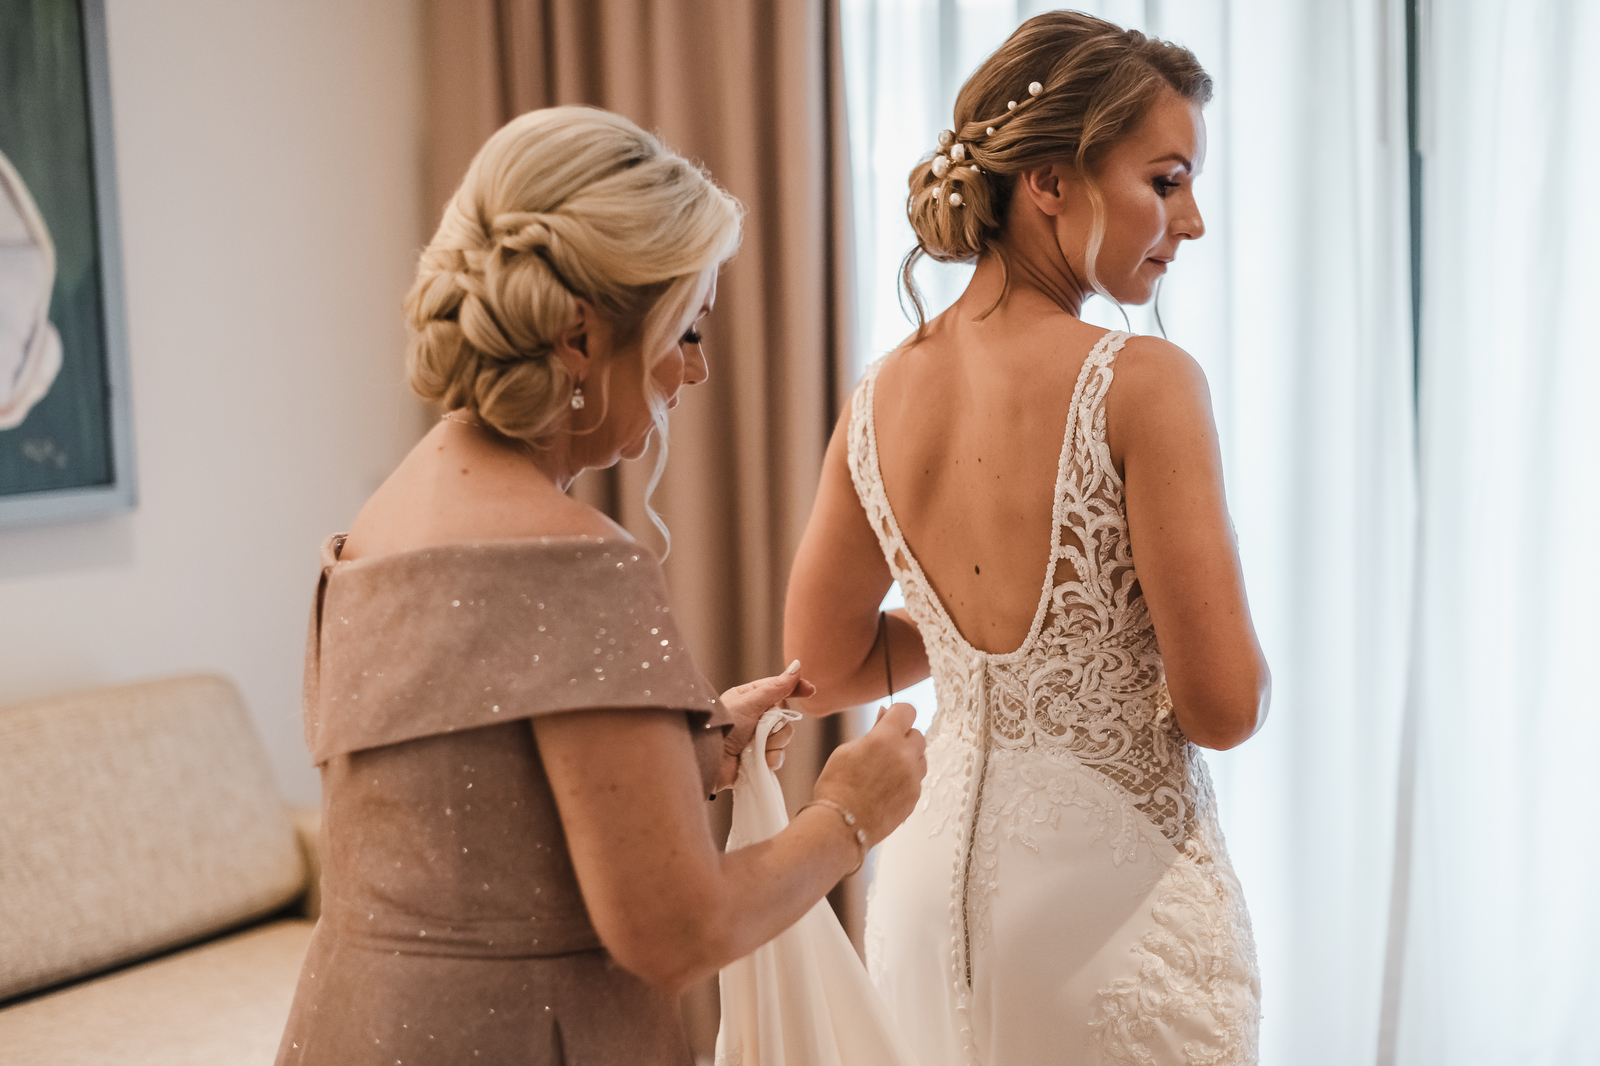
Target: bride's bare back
(970,423)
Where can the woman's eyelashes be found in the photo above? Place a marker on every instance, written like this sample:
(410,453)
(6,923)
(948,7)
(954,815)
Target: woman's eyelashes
(1164,186)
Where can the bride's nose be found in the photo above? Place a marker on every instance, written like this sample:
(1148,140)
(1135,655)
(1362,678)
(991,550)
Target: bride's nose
(1190,226)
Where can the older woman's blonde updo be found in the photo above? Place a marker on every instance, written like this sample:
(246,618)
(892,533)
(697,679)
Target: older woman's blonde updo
(561,203)
(1063,88)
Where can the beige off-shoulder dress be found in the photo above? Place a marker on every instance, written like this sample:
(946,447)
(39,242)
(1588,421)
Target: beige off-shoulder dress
(452,928)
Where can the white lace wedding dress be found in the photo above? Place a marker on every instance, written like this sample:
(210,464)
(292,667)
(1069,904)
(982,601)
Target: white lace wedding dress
(1062,893)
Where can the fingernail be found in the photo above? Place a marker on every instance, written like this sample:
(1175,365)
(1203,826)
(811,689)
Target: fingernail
(794,667)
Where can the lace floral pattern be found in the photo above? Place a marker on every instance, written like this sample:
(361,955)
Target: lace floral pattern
(1084,694)
(1199,961)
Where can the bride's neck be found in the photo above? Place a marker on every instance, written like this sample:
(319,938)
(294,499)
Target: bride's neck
(1033,272)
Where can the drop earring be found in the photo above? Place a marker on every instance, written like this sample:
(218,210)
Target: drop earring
(577,397)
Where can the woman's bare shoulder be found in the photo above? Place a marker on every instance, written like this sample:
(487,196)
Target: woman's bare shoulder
(1155,365)
(426,503)
(1158,390)
(1153,375)
(894,361)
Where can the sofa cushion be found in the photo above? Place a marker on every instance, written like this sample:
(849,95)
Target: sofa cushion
(220,1004)
(133,819)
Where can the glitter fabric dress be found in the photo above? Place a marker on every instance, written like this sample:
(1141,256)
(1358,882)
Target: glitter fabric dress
(1062,893)
(452,927)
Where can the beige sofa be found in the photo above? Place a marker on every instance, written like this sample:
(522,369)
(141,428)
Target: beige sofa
(156,896)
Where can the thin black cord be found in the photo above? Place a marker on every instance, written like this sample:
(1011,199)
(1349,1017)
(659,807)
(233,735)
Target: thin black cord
(883,638)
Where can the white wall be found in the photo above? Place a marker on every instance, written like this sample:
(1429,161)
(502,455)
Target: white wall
(268,161)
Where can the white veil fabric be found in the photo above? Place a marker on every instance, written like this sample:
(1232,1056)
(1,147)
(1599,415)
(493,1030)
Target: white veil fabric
(803,998)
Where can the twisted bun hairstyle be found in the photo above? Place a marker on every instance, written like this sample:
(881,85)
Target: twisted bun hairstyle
(1095,81)
(561,203)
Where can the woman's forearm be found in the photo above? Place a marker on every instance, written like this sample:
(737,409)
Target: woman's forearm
(755,893)
(846,661)
(666,902)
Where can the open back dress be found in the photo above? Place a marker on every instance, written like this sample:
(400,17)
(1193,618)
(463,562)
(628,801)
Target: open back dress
(1061,893)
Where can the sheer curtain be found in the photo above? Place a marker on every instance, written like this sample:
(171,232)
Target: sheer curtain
(1296,303)
(1501,962)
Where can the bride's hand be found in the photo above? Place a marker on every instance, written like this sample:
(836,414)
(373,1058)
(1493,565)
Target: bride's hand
(748,702)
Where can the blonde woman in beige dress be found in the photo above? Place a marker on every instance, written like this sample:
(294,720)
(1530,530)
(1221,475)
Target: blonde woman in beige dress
(515,747)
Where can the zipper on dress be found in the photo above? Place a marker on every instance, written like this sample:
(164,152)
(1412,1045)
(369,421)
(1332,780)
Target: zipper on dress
(972,832)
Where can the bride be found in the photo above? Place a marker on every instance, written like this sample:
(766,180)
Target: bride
(1062,892)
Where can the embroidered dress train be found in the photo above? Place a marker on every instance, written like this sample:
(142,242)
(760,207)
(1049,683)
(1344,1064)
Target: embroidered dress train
(1062,893)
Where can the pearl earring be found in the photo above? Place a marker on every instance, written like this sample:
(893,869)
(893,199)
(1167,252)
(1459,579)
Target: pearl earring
(577,397)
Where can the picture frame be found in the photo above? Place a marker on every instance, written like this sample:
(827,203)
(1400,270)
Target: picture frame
(66,429)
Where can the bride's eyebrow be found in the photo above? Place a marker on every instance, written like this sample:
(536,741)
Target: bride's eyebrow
(1176,157)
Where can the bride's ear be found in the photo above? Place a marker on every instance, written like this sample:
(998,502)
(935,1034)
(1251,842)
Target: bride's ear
(575,346)
(1047,187)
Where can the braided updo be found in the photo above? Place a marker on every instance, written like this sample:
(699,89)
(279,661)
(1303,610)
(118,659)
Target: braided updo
(561,203)
(1063,88)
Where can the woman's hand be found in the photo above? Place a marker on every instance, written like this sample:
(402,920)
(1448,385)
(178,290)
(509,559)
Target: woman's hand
(668,902)
(748,702)
(878,776)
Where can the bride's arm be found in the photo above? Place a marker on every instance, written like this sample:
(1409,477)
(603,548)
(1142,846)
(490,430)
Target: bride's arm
(1161,435)
(668,905)
(830,618)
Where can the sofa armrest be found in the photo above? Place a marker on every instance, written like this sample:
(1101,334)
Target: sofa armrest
(308,827)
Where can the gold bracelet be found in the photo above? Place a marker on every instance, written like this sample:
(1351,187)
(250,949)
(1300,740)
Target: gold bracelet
(850,824)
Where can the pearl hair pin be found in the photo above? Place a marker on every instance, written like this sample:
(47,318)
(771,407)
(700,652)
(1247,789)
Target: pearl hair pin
(958,152)
(1034,88)
(940,166)
(955,199)
(1011,105)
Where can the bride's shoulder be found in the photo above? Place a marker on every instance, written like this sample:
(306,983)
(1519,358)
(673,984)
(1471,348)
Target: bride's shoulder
(1152,368)
(1158,390)
(896,360)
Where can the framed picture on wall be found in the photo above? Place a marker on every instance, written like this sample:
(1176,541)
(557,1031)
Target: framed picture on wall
(66,437)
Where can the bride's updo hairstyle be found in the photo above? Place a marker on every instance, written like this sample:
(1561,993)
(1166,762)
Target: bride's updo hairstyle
(1062,89)
(561,203)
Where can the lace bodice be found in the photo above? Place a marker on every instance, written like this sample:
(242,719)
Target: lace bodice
(1088,678)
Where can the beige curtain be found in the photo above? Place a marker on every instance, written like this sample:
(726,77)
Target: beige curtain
(753,89)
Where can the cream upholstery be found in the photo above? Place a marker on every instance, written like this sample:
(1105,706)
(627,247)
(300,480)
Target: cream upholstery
(134,819)
(223,1002)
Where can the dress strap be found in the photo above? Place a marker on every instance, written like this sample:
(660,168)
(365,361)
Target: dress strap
(862,454)
(1083,451)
